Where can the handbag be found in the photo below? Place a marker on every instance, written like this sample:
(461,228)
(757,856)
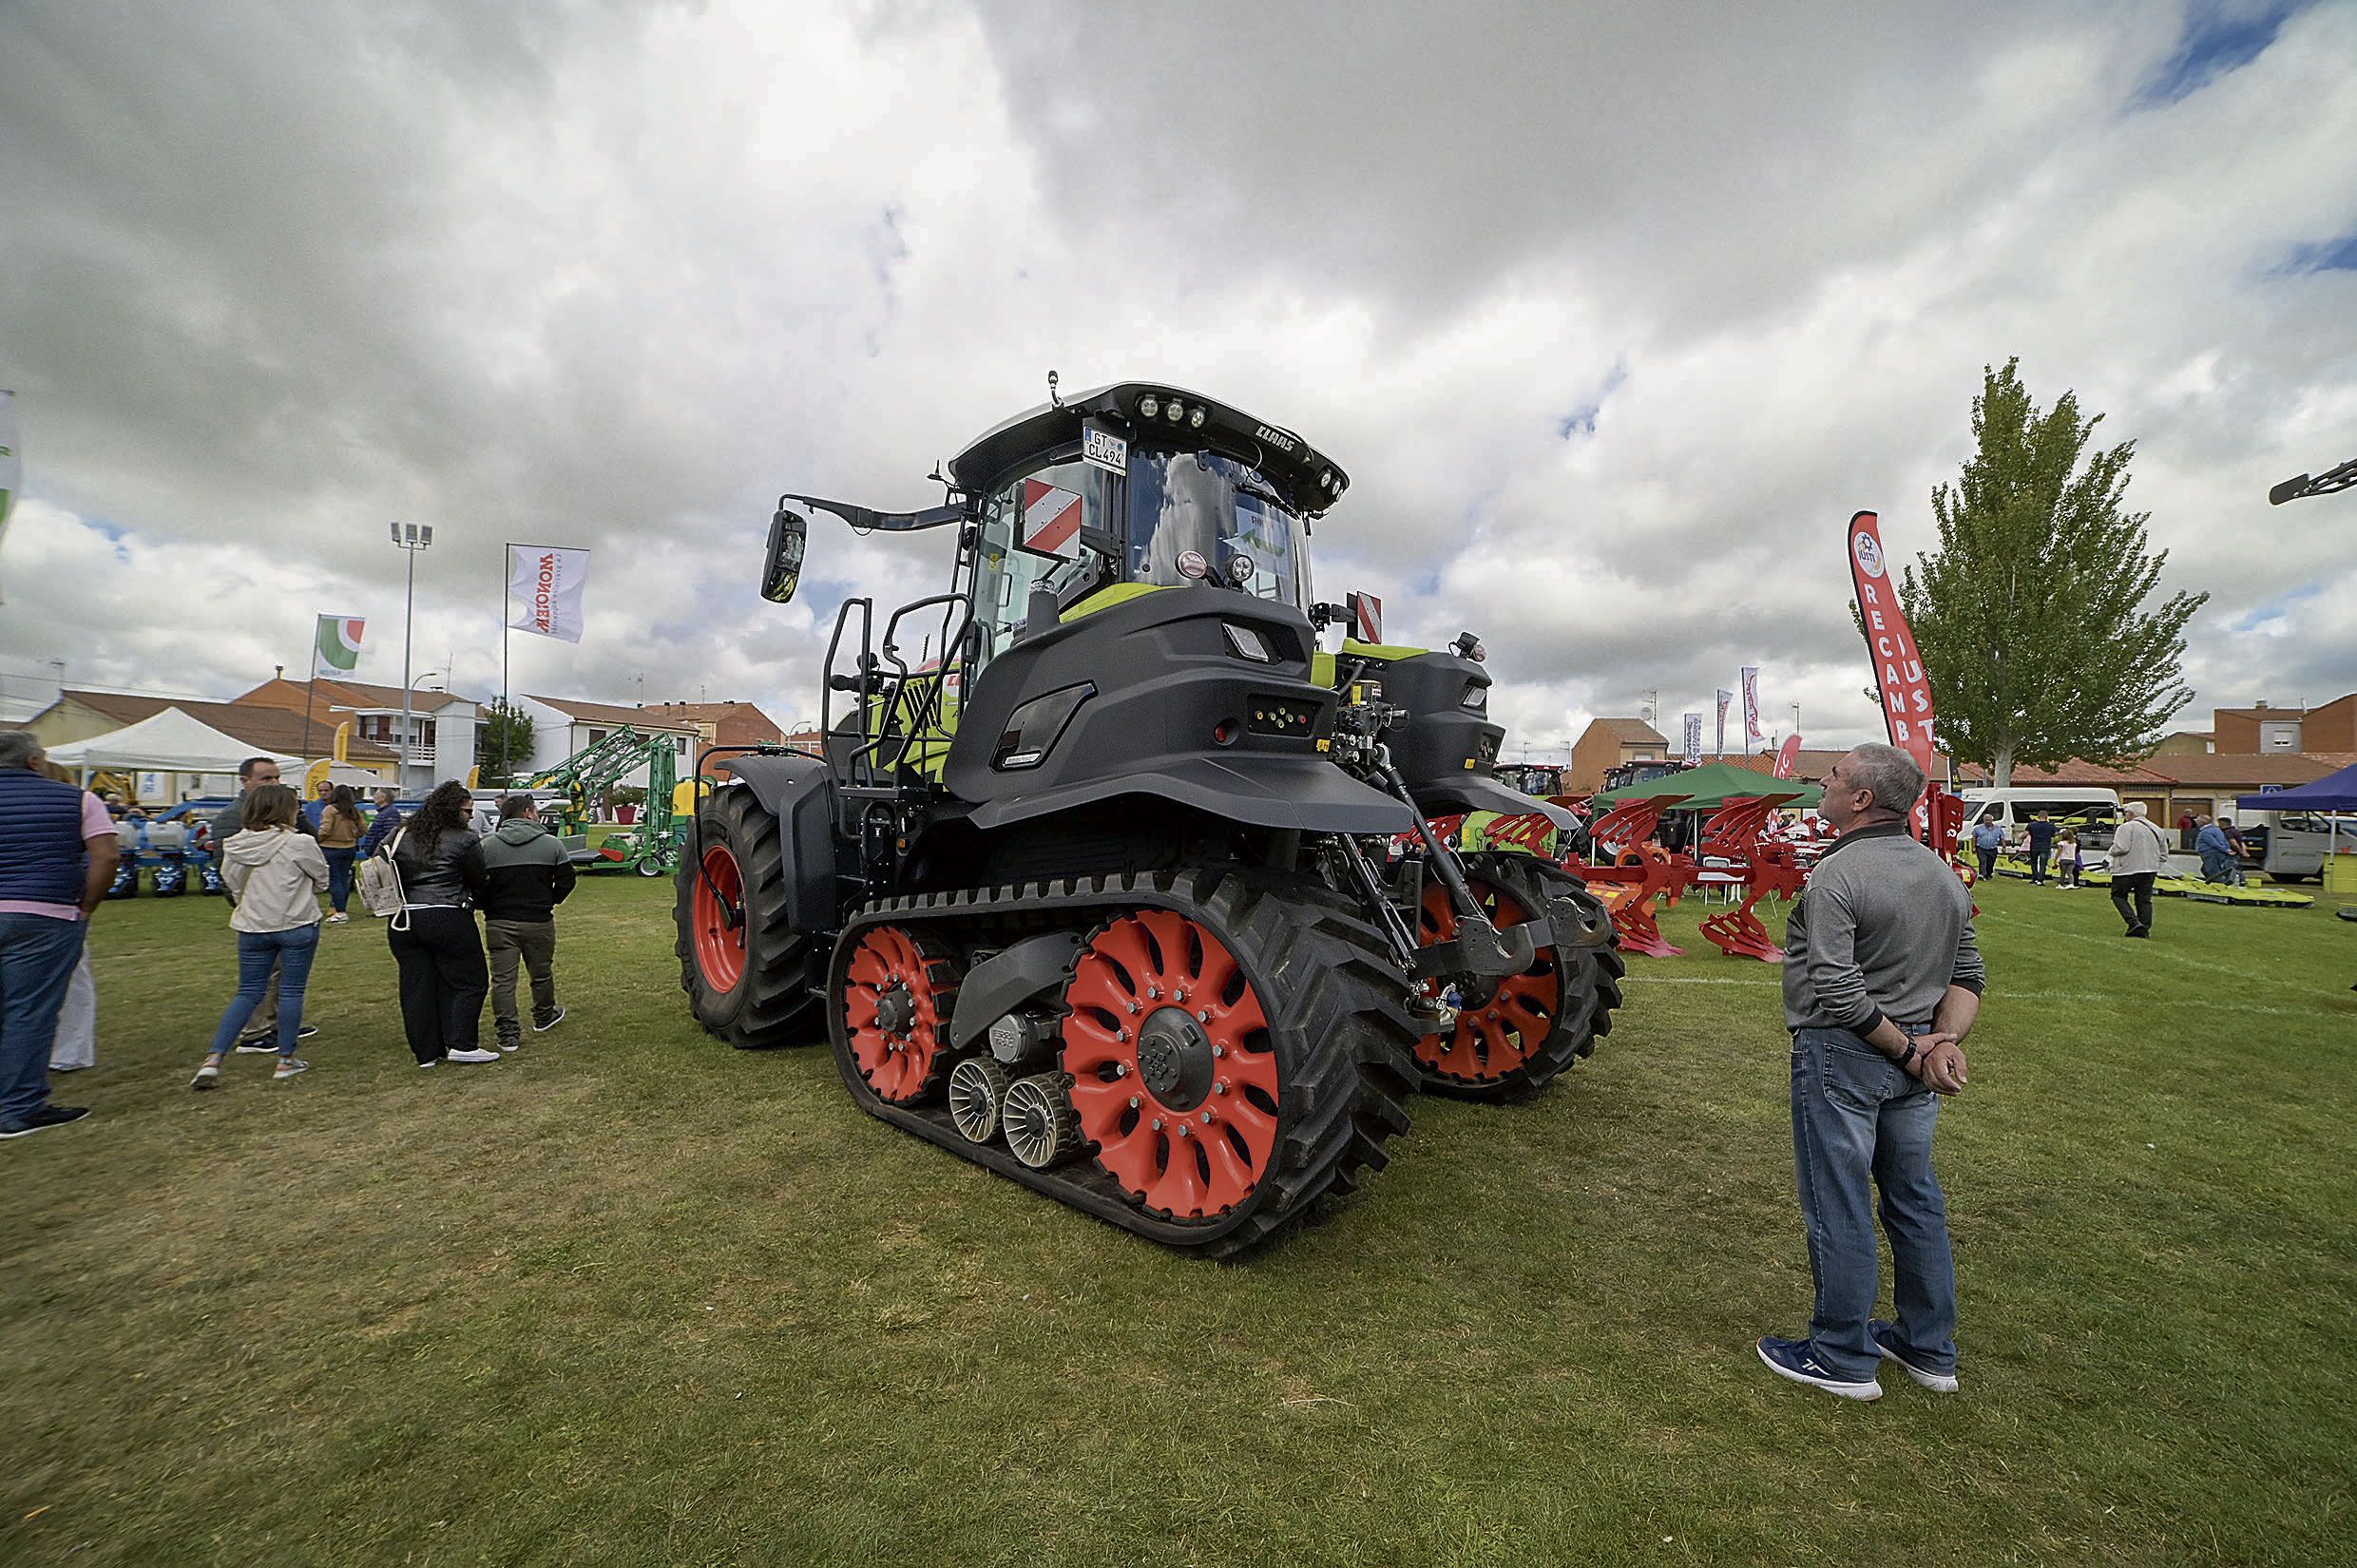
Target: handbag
(379,880)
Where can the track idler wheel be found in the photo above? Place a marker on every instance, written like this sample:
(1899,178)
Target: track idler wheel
(1041,1127)
(977,1097)
(897,997)
(1515,1033)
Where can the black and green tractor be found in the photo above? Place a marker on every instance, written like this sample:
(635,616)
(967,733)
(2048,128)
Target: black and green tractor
(1120,881)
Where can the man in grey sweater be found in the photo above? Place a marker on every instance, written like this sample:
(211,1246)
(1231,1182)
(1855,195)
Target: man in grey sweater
(1882,981)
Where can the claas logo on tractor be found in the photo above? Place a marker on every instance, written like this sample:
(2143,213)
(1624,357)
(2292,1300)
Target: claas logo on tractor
(1113,871)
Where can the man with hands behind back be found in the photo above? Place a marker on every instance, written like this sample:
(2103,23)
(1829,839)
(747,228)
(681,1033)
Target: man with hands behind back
(1882,981)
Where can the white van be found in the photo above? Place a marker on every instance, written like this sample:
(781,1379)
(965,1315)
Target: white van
(2094,811)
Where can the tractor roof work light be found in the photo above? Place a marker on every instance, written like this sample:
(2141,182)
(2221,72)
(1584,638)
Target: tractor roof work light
(1149,406)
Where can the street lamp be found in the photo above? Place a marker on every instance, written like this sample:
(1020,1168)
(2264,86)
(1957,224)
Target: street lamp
(412,538)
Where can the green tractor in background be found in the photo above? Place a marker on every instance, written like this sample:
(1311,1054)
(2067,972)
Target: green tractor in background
(1109,892)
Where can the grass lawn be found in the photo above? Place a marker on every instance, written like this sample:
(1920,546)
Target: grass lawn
(633,1297)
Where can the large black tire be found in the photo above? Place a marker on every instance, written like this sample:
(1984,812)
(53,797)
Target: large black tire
(771,1000)
(1586,981)
(1337,1017)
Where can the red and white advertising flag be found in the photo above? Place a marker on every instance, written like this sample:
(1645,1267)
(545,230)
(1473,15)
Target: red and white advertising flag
(544,584)
(1725,697)
(1786,755)
(1751,706)
(1898,667)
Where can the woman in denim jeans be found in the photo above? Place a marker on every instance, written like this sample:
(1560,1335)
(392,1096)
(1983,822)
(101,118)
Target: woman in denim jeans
(339,838)
(276,872)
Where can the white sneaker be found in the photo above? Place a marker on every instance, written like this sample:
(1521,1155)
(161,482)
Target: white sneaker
(288,1066)
(207,1077)
(339,918)
(475,1055)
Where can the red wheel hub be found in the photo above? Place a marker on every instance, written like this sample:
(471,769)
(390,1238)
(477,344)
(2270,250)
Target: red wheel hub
(1502,1024)
(1174,1073)
(895,1006)
(720,942)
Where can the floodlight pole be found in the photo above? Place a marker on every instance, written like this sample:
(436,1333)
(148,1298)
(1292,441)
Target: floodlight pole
(412,538)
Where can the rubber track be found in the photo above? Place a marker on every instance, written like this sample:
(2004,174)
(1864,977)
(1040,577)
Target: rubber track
(777,1001)
(1590,979)
(1337,1011)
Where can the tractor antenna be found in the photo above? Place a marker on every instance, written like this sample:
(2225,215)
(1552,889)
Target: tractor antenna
(1052,398)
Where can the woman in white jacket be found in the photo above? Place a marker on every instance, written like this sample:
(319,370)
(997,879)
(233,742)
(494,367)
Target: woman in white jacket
(277,874)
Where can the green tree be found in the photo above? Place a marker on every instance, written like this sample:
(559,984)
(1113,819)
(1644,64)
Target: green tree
(2031,616)
(504,743)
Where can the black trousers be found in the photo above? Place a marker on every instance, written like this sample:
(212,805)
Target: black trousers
(2138,884)
(442,980)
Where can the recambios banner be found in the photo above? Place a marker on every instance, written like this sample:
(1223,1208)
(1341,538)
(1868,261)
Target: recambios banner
(1693,741)
(545,586)
(1898,667)
(1725,697)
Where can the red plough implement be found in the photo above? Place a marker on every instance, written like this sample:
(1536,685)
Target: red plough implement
(1638,873)
(1738,833)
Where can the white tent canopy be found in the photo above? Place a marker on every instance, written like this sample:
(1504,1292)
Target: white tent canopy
(168,742)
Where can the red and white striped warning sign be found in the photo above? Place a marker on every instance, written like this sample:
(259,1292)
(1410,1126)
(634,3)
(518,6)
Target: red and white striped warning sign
(1051,520)
(1367,617)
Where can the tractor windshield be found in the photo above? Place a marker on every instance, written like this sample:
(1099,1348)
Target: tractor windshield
(1194,515)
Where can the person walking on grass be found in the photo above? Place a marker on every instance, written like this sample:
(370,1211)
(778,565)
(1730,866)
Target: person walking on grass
(262,1034)
(1882,981)
(433,938)
(276,872)
(2066,857)
(530,875)
(2139,850)
(2041,836)
(339,839)
(58,855)
(1988,838)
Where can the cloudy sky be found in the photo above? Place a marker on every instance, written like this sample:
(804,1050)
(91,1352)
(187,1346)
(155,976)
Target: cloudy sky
(1615,313)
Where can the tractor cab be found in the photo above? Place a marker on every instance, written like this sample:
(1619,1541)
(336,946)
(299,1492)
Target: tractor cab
(1133,487)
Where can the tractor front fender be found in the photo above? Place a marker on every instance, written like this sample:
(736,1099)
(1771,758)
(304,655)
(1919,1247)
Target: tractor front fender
(798,791)
(1305,792)
(1480,792)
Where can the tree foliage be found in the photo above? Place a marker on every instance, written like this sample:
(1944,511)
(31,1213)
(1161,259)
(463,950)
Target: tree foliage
(503,745)
(2031,615)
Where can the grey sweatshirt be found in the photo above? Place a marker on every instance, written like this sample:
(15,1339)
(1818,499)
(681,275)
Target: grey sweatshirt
(1884,928)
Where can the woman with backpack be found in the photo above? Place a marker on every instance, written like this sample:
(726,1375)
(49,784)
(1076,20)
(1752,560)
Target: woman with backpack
(274,872)
(339,839)
(443,977)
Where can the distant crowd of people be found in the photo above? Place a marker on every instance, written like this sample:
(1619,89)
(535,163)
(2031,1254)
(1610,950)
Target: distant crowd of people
(430,871)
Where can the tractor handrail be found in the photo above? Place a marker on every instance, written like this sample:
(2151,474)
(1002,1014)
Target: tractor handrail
(866,666)
(930,699)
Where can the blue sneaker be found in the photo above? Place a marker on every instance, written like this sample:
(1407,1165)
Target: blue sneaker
(1797,1359)
(1886,1340)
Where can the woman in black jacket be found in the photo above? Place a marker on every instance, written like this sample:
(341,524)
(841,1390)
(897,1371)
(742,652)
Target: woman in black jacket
(443,974)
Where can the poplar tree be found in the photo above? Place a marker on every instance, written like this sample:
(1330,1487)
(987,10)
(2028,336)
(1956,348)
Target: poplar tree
(2031,614)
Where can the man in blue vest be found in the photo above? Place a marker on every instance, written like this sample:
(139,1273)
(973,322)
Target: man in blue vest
(58,855)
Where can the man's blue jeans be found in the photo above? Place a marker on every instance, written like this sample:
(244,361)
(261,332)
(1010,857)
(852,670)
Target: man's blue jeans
(1857,1116)
(37,958)
(292,951)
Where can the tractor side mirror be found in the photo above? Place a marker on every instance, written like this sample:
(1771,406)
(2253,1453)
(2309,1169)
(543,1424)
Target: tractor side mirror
(782,567)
